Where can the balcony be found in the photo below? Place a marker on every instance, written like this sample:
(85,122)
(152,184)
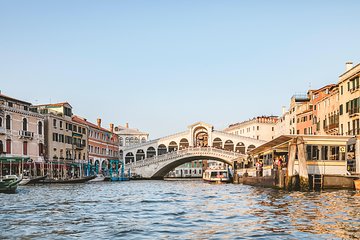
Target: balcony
(26,134)
(79,146)
(331,126)
(355,131)
(354,112)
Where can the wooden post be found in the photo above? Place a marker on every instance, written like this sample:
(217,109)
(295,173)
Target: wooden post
(290,166)
(303,172)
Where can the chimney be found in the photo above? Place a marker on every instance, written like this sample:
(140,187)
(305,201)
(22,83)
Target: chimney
(99,122)
(111,127)
(348,66)
(283,110)
(127,125)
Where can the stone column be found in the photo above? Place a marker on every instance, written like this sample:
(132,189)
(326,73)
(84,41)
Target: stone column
(303,172)
(290,166)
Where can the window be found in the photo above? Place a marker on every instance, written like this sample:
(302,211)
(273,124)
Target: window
(8,146)
(341,90)
(54,123)
(1,123)
(41,149)
(25,149)
(312,152)
(61,124)
(25,124)
(40,128)
(10,104)
(341,109)
(8,122)
(258,128)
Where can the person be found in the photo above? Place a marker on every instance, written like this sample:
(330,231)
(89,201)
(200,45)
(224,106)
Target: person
(257,168)
(261,168)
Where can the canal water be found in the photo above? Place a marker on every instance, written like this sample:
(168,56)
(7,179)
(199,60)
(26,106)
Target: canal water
(176,210)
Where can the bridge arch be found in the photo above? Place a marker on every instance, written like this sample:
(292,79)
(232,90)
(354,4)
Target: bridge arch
(162,149)
(250,147)
(217,143)
(160,174)
(240,147)
(140,154)
(129,158)
(173,146)
(184,143)
(229,145)
(150,152)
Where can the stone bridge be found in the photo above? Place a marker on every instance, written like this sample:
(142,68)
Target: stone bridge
(198,136)
(158,166)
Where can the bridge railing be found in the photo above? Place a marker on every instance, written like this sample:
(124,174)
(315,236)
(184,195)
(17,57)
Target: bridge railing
(185,152)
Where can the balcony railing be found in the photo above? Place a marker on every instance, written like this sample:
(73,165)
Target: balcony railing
(79,146)
(26,134)
(353,111)
(331,126)
(355,131)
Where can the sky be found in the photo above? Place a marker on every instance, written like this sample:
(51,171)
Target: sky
(164,65)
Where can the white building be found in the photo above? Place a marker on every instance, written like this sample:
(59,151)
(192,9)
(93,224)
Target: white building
(260,128)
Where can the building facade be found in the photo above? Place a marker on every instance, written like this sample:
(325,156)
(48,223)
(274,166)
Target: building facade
(21,130)
(66,141)
(103,144)
(260,128)
(349,100)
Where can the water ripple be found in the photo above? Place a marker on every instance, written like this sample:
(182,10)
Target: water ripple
(187,210)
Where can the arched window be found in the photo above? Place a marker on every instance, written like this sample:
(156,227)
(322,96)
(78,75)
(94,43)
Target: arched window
(1,123)
(229,145)
(25,127)
(140,155)
(217,143)
(251,147)
(240,147)
(136,140)
(127,141)
(184,143)
(8,122)
(40,128)
(143,140)
(121,141)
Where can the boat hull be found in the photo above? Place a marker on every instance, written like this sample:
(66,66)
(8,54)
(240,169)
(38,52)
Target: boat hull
(66,181)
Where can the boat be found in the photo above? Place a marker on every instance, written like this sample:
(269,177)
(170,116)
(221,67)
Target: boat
(9,184)
(216,175)
(99,178)
(31,180)
(66,181)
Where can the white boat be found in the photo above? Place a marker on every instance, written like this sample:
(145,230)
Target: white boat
(216,175)
(99,178)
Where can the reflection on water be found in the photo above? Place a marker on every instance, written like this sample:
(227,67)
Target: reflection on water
(188,210)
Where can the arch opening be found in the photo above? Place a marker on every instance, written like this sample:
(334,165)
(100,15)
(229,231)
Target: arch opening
(184,143)
(240,147)
(162,149)
(173,146)
(229,145)
(129,158)
(150,152)
(217,143)
(140,155)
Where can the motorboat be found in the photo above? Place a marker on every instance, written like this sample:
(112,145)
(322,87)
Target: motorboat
(216,175)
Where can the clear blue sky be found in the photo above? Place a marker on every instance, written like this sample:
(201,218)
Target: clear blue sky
(163,65)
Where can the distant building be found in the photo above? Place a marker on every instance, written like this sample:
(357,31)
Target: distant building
(66,141)
(282,126)
(21,130)
(260,128)
(103,143)
(349,100)
(129,137)
(325,110)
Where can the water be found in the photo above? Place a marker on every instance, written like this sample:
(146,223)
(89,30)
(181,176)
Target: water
(176,210)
